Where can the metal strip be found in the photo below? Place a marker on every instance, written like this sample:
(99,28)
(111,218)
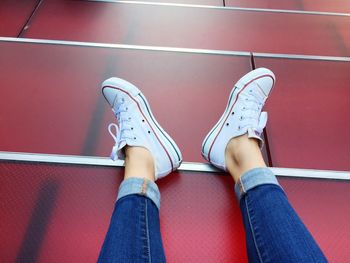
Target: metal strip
(305,57)
(185,166)
(124,46)
(171,49)
(228,8)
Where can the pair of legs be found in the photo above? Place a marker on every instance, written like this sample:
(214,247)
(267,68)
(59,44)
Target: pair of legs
(274,232)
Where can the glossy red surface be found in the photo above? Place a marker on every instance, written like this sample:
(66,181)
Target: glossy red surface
(308,113)
(51,100)
(192,28)
(189,2)
(56,213)
(323,207)
(271,4)
(14,15)
(339,6)
(51,103)
(61,214)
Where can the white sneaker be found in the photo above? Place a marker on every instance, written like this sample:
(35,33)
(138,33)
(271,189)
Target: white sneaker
(242,115)
(138,127)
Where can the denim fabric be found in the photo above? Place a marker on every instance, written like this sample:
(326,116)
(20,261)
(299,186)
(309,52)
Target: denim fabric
(254,178)
(274,232)
(134,232)
(140,186)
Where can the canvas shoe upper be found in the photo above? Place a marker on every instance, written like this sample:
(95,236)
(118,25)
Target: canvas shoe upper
(138,127)
(242,115)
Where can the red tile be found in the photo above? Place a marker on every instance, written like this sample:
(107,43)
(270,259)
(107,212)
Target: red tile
(14,15)
(51,100)
(339,6)
(192,28)
(323,207)
(75,205)
(309,112)
(189,2)
(271,4)
(61,213)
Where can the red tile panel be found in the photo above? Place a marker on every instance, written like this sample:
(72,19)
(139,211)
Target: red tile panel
(309,112)
(192,28)
(188,2)
(339,6)
(271,4)
(59,213)
(14,15)
(323,207)
(51,100)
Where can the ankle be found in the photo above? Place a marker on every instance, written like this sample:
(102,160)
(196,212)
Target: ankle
(238,148)
(241,155)
(139,163)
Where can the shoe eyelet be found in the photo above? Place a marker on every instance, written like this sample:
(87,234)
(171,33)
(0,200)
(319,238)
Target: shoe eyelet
(132,128)
(241,118)
(227,124)
(149,132)
(233,113)
(134,138)
(143,120)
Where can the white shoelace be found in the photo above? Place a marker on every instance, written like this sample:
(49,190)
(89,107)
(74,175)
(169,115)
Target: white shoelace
(120,133)
(253,104)
(116,138)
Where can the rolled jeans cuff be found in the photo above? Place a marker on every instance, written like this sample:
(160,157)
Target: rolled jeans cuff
(253,178)
(140,186)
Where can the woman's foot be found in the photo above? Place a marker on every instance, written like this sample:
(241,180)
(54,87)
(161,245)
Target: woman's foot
(235,139)
(138,137)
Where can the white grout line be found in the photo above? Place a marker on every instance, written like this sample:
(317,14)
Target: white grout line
(185,166)
(228,8)
(171,49)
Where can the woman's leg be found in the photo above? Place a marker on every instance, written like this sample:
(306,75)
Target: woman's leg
(134,231)
(149,153)
(274,232)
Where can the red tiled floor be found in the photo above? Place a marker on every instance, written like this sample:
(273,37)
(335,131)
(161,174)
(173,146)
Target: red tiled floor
(14,15)
(323,207)
(192,28)
(60,213)
(271,4)
(308,112)
(51,103)
(51,100)
(189,2)
(339,6)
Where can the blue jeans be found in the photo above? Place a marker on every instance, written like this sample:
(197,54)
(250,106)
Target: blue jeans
(274,232)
